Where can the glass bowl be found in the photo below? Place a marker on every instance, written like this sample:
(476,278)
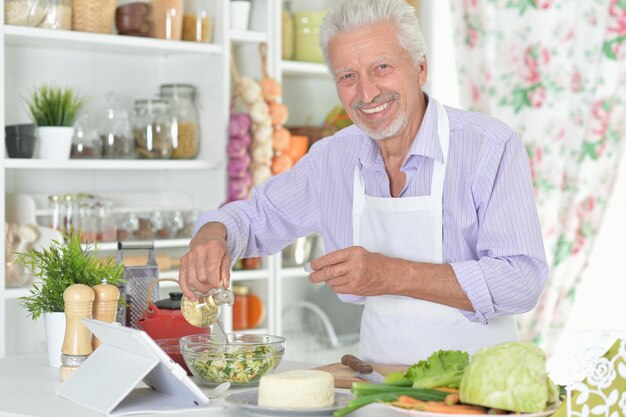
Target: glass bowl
(239,358)
(171,346)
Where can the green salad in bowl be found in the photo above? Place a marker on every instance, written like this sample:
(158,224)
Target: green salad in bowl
(241,359)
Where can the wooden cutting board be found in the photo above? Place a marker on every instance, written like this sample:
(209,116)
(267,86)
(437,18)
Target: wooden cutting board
(344,376)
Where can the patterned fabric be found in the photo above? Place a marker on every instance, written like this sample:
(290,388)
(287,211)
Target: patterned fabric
(491,233)
(555,70)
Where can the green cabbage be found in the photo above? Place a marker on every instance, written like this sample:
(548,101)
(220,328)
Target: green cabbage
(510,376)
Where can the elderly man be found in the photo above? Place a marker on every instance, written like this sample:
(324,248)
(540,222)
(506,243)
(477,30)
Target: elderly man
(427,212)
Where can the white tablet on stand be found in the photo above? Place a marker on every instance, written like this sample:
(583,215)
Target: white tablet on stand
(107,381)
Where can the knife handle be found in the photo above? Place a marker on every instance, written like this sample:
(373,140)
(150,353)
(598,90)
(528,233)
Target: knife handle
(357,364)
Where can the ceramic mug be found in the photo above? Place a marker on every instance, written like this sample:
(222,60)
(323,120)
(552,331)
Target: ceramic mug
(133,19)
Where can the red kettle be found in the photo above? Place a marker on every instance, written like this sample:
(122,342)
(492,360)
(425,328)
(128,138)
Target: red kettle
(163,319)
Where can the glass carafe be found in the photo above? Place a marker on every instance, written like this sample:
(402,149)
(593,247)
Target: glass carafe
(206,309)
(185,119)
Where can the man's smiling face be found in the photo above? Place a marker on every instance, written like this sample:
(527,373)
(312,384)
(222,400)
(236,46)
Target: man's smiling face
(377,81)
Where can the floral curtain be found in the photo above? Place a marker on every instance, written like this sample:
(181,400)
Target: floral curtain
(554,70)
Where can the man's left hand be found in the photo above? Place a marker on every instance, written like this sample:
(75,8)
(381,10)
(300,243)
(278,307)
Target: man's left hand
(354,271)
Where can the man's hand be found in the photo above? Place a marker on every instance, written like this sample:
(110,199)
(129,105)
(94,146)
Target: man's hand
(354,271)
(207,264)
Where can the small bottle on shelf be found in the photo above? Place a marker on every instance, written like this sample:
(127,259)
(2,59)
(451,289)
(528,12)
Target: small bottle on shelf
(240,307)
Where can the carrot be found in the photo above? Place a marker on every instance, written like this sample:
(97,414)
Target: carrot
(405,399)
(438,407)
(452,399)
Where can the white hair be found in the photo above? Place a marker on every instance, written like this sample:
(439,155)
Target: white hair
(354,14)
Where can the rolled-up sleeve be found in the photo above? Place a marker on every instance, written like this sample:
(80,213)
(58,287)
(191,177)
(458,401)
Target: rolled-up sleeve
(279,211)
(511,270)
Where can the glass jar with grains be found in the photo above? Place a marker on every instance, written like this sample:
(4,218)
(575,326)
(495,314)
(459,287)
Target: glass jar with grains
(197,21)
(152,127)
(115,130)
(185,129)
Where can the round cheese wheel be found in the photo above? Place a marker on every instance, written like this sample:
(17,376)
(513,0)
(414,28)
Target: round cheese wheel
(299,389)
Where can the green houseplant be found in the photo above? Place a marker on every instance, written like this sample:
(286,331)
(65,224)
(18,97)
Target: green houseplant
(54,110)
(61,265)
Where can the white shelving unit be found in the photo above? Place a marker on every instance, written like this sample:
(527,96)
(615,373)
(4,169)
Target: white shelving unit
(134,67)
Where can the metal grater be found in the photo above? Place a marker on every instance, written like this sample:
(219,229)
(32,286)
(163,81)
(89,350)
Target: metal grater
(137,280)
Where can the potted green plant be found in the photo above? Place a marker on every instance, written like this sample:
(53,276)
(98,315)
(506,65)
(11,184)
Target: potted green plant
(57,267)
(54,111)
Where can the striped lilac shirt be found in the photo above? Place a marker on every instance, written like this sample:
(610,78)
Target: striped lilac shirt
(491,234)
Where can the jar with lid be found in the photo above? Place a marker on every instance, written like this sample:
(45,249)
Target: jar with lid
(106,230)
(115,130)
(198,21)
(152,128)
(186,118)
(240,307)
(85,142)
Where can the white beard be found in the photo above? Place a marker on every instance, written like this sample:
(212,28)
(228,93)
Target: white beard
(396,126)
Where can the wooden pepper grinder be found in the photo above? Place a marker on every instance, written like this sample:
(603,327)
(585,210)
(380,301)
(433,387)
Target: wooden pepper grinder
(76,347)
(104,306)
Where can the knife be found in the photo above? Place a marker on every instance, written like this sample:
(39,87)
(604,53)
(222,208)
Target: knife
(364,370)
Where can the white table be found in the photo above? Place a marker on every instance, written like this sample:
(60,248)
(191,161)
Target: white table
(27,387)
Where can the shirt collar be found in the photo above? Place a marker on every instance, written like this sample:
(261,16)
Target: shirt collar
(426,142)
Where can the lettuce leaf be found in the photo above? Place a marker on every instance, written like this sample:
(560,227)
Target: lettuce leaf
(443,368)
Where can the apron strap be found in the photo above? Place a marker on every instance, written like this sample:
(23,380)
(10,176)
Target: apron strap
(358,197)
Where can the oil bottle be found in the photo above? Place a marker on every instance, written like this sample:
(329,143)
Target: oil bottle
(206,309)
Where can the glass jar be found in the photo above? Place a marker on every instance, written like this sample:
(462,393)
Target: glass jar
(69,212)
(185,116)
(189,223)
(106,230)
(240,307)
(127,225)
(25,12)
(167,19)
(152,129)
(144,229)
(115,130)
(85,142)
(198,21)
(287,31)
(55,206)
(58,15)
(85,220)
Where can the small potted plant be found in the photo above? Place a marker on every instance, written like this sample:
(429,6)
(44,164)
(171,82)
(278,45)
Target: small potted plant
(54,111)
(57,267)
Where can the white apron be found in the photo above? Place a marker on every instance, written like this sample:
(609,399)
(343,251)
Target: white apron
(403,330)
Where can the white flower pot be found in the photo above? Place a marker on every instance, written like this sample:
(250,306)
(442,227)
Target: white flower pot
(55,142)
(55,333)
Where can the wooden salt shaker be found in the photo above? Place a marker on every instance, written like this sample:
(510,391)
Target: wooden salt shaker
(104,306)
(76,347)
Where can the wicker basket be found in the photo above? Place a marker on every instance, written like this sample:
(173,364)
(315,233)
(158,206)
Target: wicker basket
(94,16)
(314,133)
